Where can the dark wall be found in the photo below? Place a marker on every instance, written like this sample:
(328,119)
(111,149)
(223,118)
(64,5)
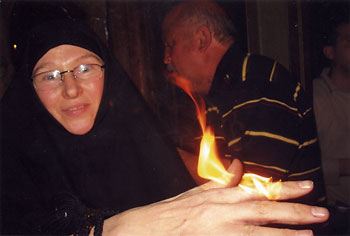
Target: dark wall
(131,29)
(318,18)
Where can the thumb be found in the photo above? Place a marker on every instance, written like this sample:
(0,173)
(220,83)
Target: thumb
(236,168)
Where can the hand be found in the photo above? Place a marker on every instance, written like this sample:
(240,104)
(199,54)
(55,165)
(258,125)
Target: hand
(218,211)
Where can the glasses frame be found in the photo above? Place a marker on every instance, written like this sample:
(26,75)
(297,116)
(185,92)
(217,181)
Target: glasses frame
(66,71)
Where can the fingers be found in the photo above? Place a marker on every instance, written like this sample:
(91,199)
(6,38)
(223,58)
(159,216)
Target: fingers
(266,212)
(289,190)
(248,230)
(295,189)
(279,191)
(236,168)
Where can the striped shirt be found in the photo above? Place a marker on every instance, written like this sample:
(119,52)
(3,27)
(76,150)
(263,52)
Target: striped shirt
(261,116)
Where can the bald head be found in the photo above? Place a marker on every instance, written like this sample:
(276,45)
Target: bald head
(194,14)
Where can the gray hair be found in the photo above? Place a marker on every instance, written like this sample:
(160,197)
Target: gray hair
(211,15)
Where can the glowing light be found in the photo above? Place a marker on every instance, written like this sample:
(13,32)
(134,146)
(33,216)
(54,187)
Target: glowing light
(255,183)
(209,164)
(15,46)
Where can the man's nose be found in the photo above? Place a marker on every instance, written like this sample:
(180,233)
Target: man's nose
(167,57)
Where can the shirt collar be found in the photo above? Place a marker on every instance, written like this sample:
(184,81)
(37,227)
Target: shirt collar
(228,71)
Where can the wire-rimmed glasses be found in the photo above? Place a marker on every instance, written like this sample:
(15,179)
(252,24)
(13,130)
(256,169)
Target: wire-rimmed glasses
(52,79)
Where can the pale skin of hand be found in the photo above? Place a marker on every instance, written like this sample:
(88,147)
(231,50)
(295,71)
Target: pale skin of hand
(212,209)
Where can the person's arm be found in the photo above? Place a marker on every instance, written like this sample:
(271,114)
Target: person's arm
(272,130)
(219,211)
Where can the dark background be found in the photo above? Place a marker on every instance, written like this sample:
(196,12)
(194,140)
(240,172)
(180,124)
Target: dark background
(132,31)
(290,31)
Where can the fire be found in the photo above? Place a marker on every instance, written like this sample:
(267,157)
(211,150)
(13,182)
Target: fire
(209,164)
(256,183)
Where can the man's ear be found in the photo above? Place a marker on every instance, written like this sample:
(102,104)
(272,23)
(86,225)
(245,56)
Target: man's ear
(204,38)
(328,51)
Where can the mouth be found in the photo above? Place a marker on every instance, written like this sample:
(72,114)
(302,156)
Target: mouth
(76,109)
(170,73)
(170,68)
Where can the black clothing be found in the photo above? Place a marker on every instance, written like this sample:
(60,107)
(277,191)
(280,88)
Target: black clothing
(52,181)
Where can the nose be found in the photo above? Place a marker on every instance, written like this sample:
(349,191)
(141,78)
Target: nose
(71,86)
(167,57)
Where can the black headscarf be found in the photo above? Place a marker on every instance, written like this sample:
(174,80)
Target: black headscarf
(51,179)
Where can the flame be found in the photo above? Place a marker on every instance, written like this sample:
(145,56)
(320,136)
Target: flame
(255,183)
(209,164)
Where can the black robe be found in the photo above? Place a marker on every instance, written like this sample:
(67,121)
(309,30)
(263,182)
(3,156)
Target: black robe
(51,180)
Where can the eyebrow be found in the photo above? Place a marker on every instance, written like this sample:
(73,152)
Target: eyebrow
(87,55)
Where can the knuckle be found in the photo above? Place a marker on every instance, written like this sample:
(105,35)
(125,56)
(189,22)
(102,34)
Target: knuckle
(298,211)
(298,208)
(286,232)
(261,208)
(248,230)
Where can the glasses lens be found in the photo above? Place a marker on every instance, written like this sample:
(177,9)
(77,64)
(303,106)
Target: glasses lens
(52,79)
(47,80)
(88,72)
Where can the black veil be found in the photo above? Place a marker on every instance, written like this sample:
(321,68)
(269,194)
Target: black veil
(51,178)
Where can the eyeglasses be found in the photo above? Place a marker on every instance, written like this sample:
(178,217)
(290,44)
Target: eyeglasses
(52,79)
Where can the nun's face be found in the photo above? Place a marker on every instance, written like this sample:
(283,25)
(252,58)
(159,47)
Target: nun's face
(73,102)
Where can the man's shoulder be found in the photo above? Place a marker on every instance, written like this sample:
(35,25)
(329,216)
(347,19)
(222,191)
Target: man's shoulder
(260,68)
(258,58)
(322,84)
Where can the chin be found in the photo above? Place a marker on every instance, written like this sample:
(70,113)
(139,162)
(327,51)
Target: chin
(78,129)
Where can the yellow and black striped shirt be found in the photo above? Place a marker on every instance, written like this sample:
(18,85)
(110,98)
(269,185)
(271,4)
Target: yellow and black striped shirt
(261,116)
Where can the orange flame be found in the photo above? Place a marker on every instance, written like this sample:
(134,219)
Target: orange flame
(256,183)
(209,164)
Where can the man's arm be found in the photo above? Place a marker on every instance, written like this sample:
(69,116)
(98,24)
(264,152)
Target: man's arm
(271,128)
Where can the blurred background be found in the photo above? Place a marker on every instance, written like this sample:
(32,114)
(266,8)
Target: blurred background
(289,31)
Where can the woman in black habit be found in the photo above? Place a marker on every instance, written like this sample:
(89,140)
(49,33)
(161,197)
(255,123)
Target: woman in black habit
(123,161)
(81,150)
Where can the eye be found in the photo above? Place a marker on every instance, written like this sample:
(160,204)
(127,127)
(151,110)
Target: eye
(170,45)
(84,68)
(50,76)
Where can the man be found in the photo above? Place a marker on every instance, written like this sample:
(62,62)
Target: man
(332,111)
(252,102)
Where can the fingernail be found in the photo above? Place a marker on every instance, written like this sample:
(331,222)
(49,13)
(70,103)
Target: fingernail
(319,211)
(307,184)
(304,233)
